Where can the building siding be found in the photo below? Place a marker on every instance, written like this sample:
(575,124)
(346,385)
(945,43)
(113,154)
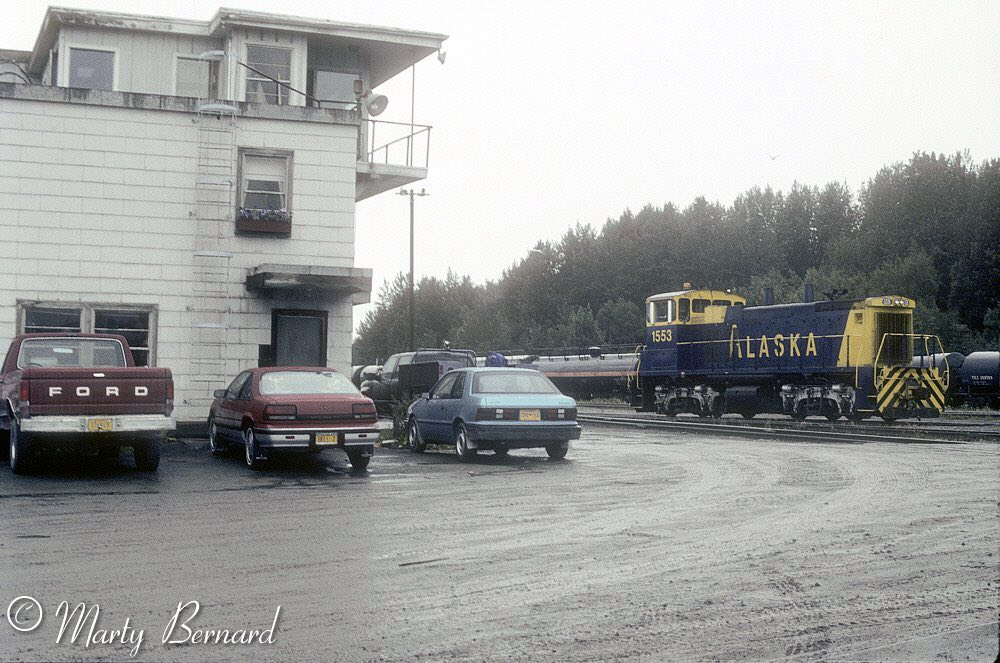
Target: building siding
(99,202)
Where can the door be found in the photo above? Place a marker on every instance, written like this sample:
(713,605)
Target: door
(229,414)
(437,429)
(452,406)
(298,338)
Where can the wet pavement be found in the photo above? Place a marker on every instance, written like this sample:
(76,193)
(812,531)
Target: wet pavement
(641,545)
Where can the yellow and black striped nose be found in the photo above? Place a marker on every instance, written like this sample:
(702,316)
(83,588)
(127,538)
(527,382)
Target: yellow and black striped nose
(912,388)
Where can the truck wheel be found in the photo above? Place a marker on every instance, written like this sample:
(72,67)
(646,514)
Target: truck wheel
(252,453)
(146,454)
(358,460)
(413,437)
(20,449)
(462,444)
(217,446)
(556,451)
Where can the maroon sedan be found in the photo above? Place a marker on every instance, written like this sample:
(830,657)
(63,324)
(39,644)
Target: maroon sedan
(293,409)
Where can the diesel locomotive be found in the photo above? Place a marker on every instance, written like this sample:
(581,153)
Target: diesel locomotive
(707,352)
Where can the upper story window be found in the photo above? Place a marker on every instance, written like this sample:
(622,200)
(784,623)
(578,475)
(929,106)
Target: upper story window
(196,78)
(274,62)
(333,89)
(91,68)
(265,191)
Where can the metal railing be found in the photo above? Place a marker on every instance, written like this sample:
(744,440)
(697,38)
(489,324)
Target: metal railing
(405,144)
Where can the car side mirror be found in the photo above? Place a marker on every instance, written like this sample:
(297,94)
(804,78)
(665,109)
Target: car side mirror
(219,393)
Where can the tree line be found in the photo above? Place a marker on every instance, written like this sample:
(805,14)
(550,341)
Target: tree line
(927,228)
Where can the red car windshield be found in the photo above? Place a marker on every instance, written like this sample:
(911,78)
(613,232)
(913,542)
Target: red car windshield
(279,383)
(528,382)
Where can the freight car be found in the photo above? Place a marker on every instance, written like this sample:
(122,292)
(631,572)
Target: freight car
(707,352)
(979,381)
(590,375)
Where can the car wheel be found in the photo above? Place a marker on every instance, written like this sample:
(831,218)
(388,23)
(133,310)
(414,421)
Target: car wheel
(20,449)
(413,437)
(462,443)
(556,451)
(501,450)
(146,454)
(215,445)
(358,460)
(254,461)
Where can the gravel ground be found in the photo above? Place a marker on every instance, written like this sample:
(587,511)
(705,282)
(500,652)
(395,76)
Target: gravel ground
(641,545)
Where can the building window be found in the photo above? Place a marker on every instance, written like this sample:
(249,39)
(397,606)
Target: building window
(91,68)
(332,89)
(196,78)
(265,180)
(275,64)
(136,323)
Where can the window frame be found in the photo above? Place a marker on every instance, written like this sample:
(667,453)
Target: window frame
(246,224)
(88,317)
(66,63)
(213,74)
(252,76)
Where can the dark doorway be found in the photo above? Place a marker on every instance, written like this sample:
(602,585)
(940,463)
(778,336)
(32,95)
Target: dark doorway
(298,338)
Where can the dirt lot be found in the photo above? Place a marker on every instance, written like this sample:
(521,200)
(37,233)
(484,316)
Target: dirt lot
(640,545)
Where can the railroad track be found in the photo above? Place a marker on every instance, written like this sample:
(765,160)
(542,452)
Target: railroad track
(813,431)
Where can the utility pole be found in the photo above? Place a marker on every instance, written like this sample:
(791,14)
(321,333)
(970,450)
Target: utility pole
(411,193)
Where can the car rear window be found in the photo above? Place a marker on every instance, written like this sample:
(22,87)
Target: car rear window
(71,353)
(512,383)
(278,383)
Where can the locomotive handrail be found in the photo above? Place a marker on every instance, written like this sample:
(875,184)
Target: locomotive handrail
(879,378)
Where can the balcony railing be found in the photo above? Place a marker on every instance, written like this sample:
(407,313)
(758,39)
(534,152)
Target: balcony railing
(395,143)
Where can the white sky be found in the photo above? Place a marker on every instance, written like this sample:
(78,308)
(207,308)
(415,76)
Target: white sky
(551,113)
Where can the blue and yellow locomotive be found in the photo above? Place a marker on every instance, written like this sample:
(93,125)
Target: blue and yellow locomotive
(707,352)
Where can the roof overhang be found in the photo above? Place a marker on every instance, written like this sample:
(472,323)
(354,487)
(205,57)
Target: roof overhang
(354,282)
(388,50)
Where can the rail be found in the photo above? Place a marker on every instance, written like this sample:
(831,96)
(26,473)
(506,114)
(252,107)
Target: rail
(406,144)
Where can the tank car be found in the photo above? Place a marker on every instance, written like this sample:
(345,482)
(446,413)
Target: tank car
(980,386)
(707,352)
(592,375)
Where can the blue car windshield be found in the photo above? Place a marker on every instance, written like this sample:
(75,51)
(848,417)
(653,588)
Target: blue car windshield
(512,383)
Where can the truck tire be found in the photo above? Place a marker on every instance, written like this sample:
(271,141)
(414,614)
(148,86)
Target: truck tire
(358,460)
(556,451)
(147,455)
(20,449)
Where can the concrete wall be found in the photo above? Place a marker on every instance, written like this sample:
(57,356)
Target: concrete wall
(97,204)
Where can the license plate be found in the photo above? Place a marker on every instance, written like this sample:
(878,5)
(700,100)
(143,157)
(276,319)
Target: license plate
(326,438)
(100,424)
(531,415)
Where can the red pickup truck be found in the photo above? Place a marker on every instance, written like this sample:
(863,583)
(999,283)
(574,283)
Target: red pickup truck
(84,390)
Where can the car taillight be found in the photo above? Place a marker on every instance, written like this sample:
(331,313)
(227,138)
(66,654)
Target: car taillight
(494,413)
(23,394)
(280,412)
(363,410)
(559,413)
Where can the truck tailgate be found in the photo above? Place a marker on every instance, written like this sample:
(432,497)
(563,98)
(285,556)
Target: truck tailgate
(71,391)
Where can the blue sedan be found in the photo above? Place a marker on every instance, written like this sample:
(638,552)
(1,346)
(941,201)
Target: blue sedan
(493,408)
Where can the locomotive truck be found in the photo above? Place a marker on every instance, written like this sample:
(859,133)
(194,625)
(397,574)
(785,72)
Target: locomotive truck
(707,352)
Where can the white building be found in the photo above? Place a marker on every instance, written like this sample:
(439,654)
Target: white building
(193,184)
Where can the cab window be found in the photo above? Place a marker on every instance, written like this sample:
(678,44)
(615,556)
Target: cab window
(721,302)
(389,367)
(683,309)
(699,305)
(662,311)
